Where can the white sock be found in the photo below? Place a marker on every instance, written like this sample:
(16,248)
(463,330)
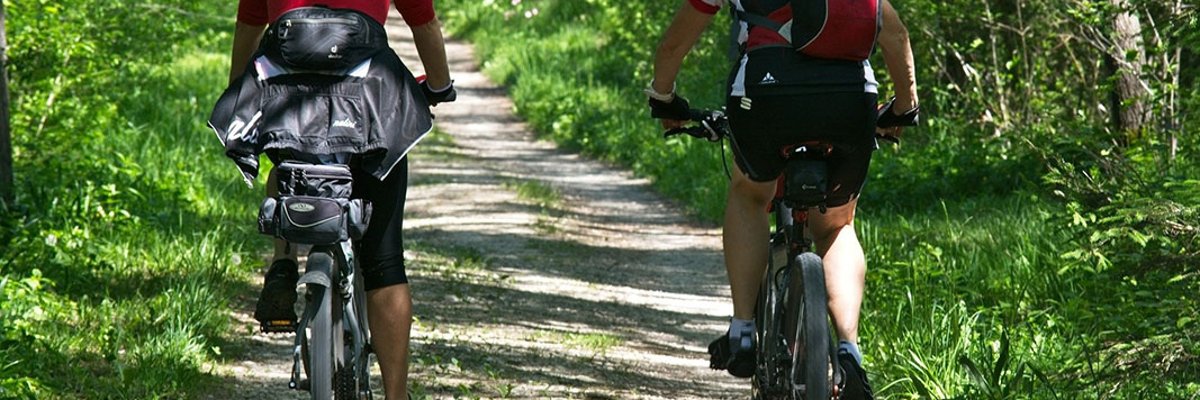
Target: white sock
(741,333)
(851,348)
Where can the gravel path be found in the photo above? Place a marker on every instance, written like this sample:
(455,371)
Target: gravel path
(536,273)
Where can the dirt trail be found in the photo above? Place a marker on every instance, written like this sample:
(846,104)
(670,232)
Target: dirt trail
(587,284)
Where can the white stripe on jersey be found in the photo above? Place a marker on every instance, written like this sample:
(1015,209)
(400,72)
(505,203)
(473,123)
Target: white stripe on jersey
(871,86)
(739,82)
(738,88)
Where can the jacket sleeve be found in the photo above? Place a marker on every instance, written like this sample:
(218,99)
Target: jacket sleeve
(235,120)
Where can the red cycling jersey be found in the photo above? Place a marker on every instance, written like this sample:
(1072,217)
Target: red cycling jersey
(261,12)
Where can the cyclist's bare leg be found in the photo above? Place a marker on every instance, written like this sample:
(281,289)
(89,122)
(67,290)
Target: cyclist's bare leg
(390,310)
(746,233)
(845,265)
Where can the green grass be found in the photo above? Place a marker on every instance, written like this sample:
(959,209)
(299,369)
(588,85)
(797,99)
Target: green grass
(597,343)
(129,231)
(545,197)
(593,103)
(948,285)
(537,193)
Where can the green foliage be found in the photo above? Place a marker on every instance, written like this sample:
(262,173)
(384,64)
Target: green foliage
(117,257)
(590,103)
(1018,243)
(21,307)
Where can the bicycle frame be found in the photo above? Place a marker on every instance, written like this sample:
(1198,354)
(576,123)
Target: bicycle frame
(330,358)
(781,296)
(794,277)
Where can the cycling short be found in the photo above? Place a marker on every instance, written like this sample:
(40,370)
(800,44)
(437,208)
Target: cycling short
(380,252)
(773,122)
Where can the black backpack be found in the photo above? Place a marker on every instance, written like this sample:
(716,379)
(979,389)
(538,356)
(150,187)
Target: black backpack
(320,38)
(831,29)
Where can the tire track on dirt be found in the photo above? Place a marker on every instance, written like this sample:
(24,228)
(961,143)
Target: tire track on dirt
(607,291)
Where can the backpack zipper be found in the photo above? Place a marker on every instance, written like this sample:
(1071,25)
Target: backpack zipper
(318,21)
(283,33)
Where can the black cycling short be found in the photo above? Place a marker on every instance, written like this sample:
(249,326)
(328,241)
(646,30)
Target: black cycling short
(773,122)
(380,252)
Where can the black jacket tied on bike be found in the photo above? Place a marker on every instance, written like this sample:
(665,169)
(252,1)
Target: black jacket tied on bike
(372,111)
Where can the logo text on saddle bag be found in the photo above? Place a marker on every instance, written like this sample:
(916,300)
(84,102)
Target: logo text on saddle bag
(301,207)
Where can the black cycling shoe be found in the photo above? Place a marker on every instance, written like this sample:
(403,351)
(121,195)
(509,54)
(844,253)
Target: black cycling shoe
(275,310)
(739,364)
(854,378)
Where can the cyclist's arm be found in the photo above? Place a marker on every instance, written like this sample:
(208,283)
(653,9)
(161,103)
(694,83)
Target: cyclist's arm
(427,36)
(245,41)
(897,55)
(677,41)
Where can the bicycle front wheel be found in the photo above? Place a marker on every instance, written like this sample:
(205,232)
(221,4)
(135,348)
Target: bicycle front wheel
(811,364)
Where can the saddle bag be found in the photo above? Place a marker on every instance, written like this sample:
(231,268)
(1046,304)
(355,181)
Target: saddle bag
(807,182)
(314,206)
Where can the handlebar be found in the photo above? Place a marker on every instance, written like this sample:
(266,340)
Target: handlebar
(713,125)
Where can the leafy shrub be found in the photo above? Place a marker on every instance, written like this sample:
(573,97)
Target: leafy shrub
(979,204)
(117,259)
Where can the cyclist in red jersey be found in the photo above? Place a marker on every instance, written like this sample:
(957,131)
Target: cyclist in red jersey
(389,300)
(776,97)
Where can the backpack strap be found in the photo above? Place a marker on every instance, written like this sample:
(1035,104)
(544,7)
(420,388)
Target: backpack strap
(735,49)
(759,20)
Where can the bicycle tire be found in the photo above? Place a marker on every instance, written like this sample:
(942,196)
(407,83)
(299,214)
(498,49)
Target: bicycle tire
(761,382)
(352,362)
(322,328)
(811,364)
(361,363)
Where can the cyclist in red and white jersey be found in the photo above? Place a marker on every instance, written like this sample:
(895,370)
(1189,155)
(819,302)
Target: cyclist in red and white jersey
(380,252)
(776,97)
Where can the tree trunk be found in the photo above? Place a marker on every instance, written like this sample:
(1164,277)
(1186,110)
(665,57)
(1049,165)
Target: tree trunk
(6,170)
(1128,56)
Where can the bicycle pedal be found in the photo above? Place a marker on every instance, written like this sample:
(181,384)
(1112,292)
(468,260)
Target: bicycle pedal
(278,326)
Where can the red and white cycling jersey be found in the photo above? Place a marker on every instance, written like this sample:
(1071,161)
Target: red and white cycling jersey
(261,12)
(779,69)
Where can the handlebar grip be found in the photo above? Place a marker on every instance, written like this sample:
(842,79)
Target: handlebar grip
(712,125)
(675,131)
(889,119)
(886,138)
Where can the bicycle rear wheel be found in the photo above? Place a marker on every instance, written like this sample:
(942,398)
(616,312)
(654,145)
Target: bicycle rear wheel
(811,363)
(325,329)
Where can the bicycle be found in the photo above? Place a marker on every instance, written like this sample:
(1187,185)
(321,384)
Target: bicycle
(796,358)
(333,342)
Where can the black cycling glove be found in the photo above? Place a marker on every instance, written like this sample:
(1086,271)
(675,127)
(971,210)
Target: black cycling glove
(444,96)
(889,119)
(676,109)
